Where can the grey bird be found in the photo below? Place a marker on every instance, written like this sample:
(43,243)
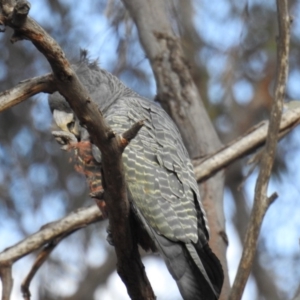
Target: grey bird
(161,185)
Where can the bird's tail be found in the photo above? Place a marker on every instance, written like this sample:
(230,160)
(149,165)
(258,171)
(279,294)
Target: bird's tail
(196,269)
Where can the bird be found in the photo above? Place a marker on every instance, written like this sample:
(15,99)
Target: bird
(161,184)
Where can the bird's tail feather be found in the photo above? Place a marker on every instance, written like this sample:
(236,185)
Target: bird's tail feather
(212,266)
(197,271)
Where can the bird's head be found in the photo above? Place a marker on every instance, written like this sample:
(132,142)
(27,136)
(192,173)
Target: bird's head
(66,126)
(104,89)
(64,118)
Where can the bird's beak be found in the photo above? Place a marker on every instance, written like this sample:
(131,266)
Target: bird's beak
(67,122)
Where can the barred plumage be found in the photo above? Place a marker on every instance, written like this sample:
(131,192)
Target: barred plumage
(161,183)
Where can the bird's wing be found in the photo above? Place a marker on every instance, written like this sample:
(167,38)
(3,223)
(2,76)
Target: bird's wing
(165,197)
(158,171)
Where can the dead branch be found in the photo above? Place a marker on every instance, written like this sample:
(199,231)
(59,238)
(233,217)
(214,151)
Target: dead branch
(75,220)
(49,235)
(26,89)
(130,267)
(254,138)
(129,134)
(40,259)
(261,200)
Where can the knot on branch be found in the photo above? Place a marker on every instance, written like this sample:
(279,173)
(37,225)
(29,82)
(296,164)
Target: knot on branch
(110,134)
(20,13)
(130,134)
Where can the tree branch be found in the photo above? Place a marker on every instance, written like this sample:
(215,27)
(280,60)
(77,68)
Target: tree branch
(130,267)
(261,200)
(255,137)
(75,220)
(26,89)
(41,258)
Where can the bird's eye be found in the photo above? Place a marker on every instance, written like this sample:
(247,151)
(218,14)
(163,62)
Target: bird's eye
(71,126)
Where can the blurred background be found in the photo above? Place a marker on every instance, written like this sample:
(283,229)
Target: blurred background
(231,48)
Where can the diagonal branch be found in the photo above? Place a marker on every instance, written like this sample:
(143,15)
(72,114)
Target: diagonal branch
(75,220)
(254,138)
(26,89)
(261,200)
(130,267)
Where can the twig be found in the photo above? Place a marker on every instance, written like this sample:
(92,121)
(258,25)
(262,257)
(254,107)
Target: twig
(50,234)
(7,280)
(261,201)
(129,134)
(41,258)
